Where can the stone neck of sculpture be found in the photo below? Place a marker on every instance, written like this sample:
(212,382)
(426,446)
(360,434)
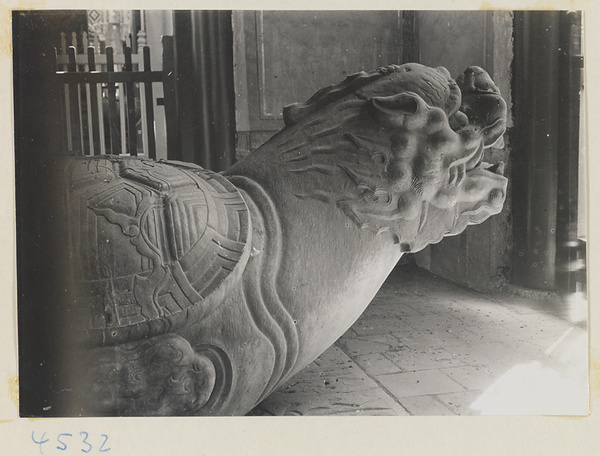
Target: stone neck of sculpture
(411,186)
(298,184)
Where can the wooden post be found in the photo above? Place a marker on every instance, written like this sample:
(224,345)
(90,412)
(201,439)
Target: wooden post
(113,120)
(95,111)
(131,121)
(173,152)
(149,106)
(74,113)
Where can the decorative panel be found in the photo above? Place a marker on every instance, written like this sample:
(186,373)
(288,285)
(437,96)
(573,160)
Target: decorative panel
(301,51)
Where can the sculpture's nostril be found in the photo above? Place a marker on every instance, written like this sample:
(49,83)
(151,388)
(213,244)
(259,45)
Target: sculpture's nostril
(496,198)
(436,117)
(408,105)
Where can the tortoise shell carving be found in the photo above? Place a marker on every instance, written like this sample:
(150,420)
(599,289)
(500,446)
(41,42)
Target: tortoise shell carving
(154,239)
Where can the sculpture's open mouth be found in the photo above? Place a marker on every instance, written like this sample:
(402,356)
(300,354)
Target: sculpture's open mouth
(496,168)
(460,168)
(476,162)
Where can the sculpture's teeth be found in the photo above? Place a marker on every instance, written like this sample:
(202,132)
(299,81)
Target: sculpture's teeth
(497,168)
(475,160)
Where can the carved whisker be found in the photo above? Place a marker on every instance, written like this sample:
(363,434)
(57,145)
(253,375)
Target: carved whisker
(323,169)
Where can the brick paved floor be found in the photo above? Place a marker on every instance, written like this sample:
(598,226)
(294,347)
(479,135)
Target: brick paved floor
(426,346)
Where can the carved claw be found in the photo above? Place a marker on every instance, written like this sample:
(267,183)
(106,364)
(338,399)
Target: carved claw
(481,104)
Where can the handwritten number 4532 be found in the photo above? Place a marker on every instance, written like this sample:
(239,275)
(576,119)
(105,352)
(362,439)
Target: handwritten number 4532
(64,440)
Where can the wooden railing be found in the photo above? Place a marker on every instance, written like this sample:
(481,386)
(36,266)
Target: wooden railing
(108,102)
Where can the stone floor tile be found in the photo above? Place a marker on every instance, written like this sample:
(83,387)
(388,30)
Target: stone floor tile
(372,403)
(376,364)
(473,378)
(431,340)
(392,302)
(537,329)
(497,334)
(489,353)
(468,337)
(433,322)
(386,339)
(409,384)
(385,309)
(472,317)
(332,385)
(332,371)
(356,347)
(425,406)
(461,402)
(431,306)
(372,326)
(409,359)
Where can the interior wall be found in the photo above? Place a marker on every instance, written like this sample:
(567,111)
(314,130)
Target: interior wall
(283,57)
(481,256)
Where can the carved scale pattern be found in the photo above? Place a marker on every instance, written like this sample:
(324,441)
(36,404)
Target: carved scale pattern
(156,239)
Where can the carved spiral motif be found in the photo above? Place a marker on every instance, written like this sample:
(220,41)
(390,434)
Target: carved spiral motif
(162,375)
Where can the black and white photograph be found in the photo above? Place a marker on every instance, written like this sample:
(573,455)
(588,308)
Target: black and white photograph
(264,213)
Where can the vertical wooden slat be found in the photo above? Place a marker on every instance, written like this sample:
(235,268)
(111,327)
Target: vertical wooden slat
(63,43)
(61,100)
(113,120)
(87,106)
(173,152)
(130,97)
(101,120)
(149,106)
(79,127)
(122,109)
(141,42)
(66,98)
(88,121)
(95,116)
(83,93)
(74,105)
(122,117)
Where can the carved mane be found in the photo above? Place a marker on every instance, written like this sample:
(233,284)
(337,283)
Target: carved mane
(394,143)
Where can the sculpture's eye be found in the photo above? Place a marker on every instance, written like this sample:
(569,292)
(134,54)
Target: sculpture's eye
(397,105)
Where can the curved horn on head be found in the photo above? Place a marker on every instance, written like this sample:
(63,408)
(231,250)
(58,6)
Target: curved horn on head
(482,104)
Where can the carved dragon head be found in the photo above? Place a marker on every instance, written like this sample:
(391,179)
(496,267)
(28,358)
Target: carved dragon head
(403,147)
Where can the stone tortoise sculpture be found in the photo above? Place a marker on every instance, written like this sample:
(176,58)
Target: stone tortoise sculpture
(199,293)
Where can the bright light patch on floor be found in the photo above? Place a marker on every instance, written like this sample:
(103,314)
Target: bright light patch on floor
(551,386)
(576,306)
